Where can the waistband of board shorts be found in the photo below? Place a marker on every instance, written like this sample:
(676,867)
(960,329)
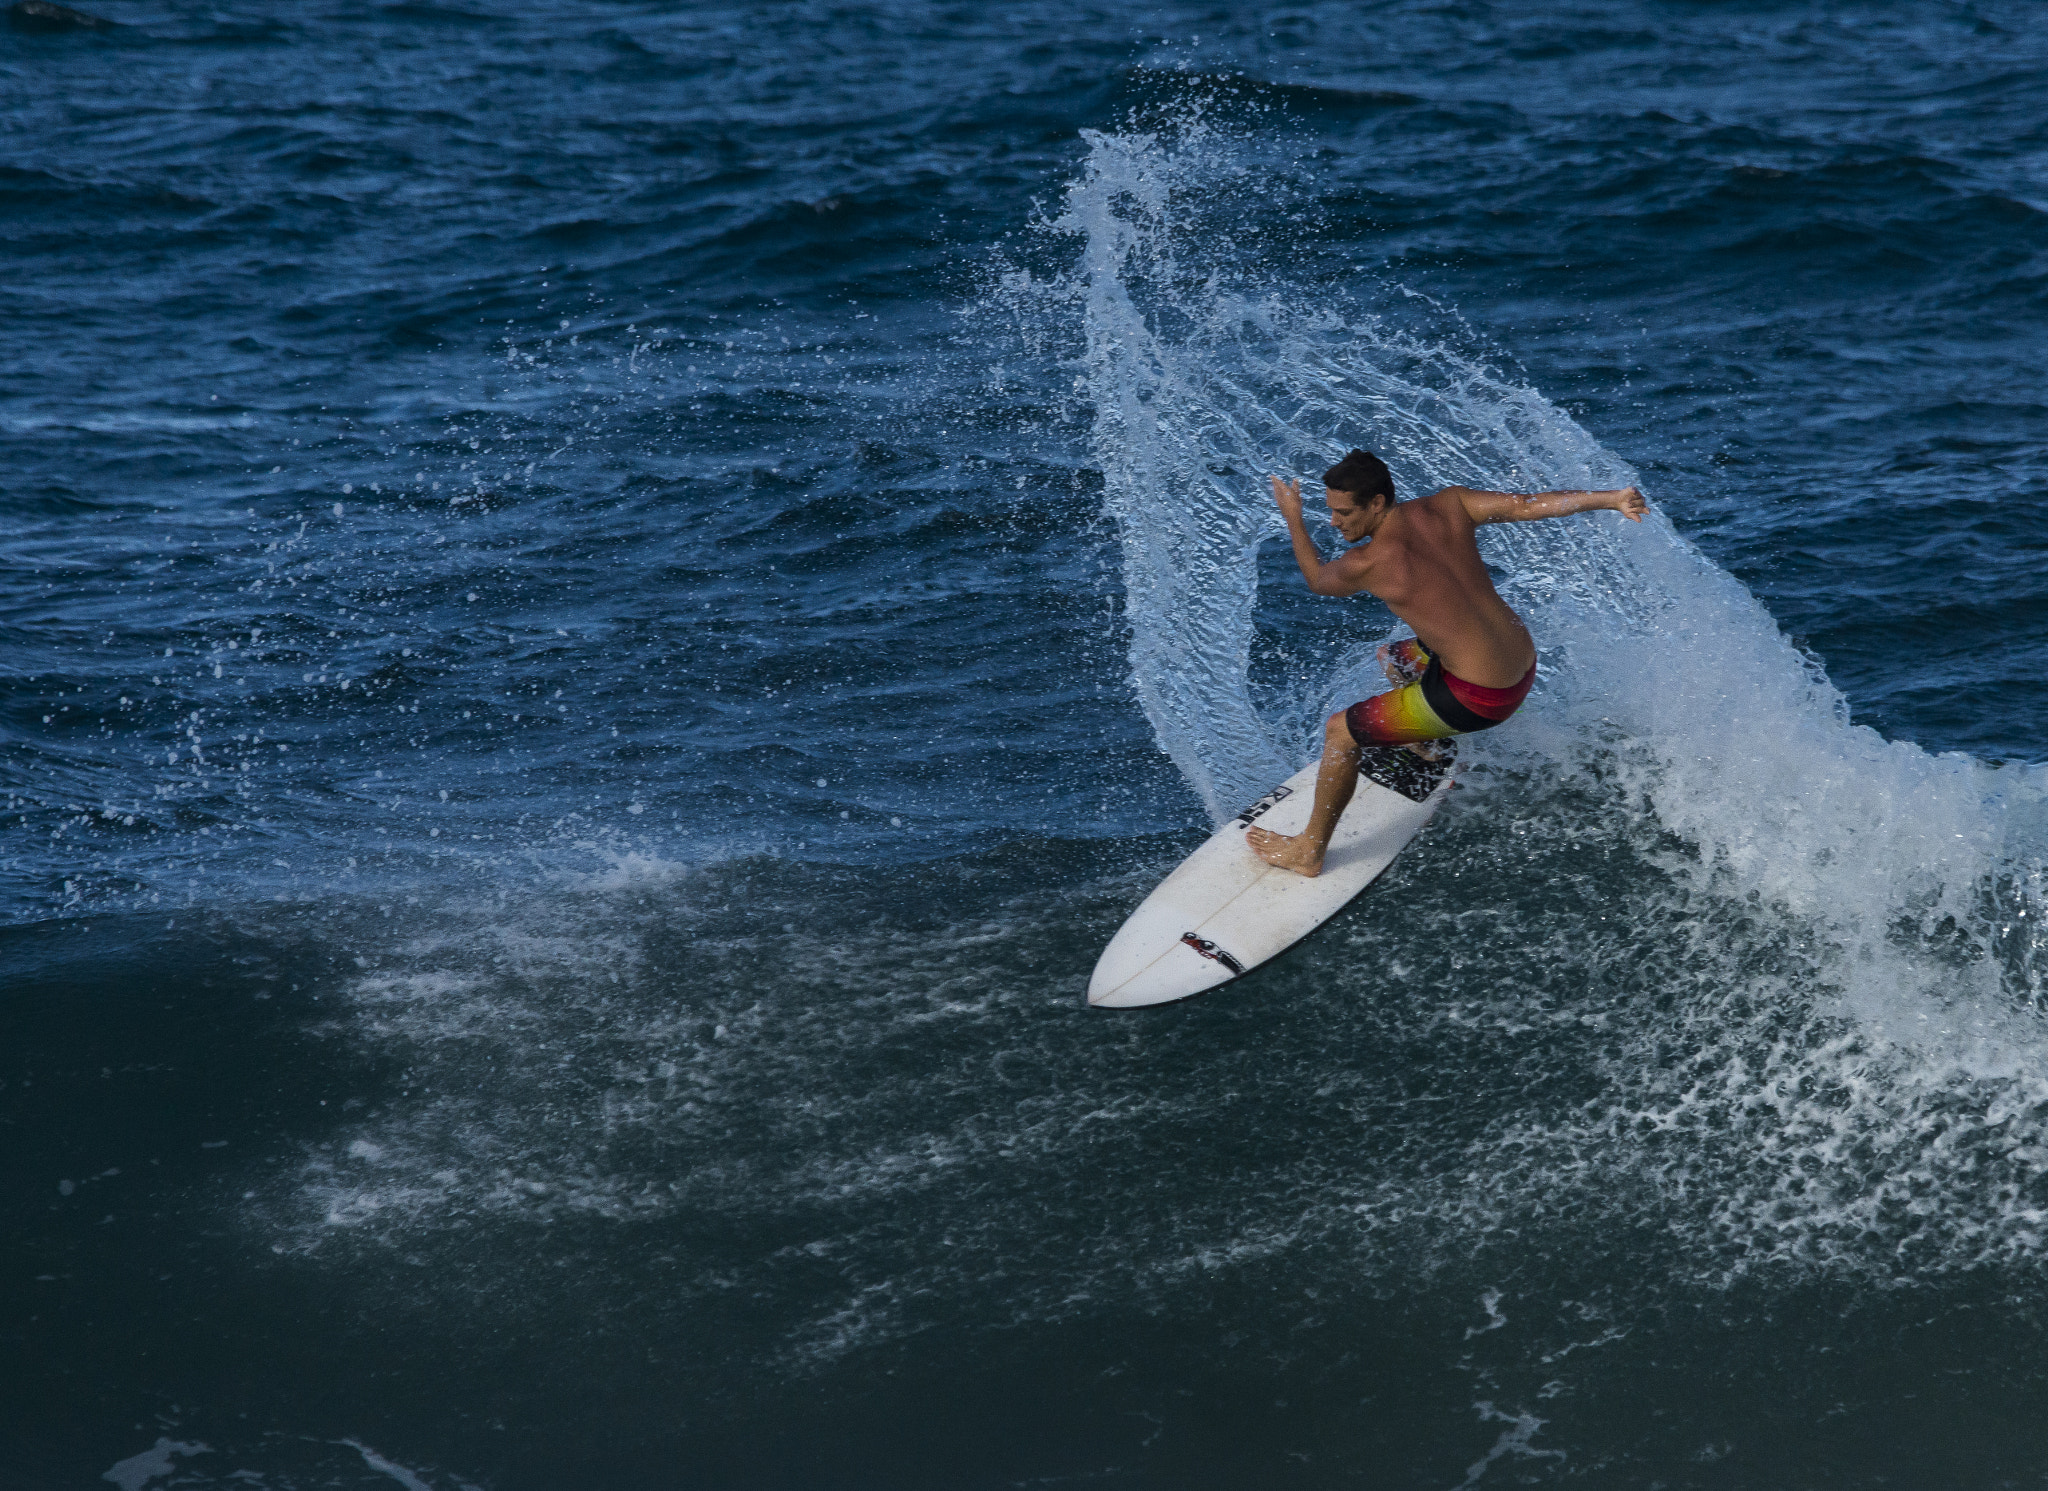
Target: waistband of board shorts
(1466,707)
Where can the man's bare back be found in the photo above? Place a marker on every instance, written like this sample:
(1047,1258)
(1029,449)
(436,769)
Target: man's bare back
(1423,561)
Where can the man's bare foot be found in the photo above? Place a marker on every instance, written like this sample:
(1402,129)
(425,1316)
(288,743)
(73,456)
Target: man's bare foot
(1294,852)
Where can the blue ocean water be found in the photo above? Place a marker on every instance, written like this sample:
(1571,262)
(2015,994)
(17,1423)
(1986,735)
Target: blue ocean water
(606,605)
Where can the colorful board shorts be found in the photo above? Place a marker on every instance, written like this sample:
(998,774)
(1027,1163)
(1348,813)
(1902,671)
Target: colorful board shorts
(1435,705)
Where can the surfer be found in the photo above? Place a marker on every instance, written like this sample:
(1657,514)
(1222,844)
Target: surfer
(1471,661)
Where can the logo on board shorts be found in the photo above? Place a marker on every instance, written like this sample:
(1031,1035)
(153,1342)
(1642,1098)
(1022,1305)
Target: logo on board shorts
(1211,951)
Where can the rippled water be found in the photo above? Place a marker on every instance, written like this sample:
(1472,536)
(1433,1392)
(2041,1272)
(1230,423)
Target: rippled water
(606,606)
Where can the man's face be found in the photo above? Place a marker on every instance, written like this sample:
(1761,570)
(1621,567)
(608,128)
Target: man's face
(1351,513)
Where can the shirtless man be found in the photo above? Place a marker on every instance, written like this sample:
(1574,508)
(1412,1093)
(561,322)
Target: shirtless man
(1471,661)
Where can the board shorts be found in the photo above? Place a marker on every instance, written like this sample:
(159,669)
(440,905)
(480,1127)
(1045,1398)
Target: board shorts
(1435,705)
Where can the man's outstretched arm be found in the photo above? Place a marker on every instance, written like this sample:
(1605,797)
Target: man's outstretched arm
(1527,507)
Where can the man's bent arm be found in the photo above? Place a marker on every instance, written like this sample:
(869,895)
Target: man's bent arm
(1527,507)
(1339,576)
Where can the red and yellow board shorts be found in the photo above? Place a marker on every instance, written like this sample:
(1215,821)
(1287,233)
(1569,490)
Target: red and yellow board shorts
(1435,705)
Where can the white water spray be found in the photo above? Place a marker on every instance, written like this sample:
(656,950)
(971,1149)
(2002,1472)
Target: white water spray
(1772,1004)
(1201,388)
(1667,694)
(1731,737)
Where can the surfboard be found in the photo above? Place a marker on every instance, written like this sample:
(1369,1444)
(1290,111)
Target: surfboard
(1225,911)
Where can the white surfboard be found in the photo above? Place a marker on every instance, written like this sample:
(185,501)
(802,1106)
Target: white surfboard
(1225,911)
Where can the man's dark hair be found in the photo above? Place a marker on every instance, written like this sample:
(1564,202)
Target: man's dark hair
(1363,475)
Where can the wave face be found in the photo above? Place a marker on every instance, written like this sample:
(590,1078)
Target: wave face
(1675,726)
(606,610)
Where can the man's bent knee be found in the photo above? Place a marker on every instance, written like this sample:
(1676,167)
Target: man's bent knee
(1337,734)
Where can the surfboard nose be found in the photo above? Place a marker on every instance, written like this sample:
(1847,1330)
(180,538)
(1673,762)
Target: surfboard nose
(1118,981)
(1115,999)
(1140,974)
(1103,999)
(1111,978)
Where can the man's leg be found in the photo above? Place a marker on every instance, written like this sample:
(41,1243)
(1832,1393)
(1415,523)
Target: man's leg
(1336,780)
(1399,717)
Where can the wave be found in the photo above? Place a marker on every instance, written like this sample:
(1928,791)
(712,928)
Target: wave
(1672,712)
(1695,981)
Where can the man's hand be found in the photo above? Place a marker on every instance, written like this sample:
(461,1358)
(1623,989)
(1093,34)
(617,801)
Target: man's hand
(1288,495)
(1629,503)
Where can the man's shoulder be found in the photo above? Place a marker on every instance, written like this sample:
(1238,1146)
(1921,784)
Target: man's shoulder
(1447,503)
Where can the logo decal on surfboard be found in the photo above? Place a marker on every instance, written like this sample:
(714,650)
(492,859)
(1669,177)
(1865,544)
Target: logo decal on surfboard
(1262,806)
(1209,949)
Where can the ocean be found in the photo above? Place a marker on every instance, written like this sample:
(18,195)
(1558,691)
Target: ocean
(606,605)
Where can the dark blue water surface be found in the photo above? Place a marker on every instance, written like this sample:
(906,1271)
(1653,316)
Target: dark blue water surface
(606,605)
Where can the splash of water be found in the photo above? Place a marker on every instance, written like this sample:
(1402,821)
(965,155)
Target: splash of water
(1765,983)
(1654,660)
(1670,705)
(1201,386)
